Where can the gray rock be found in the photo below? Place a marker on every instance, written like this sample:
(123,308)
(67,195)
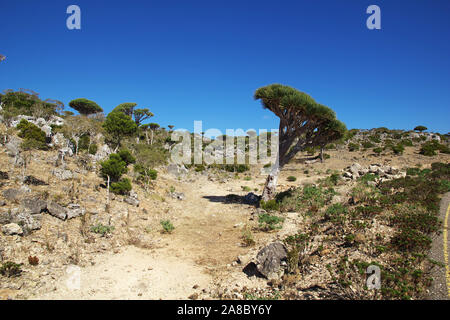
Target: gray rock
(371,183)
(132,201)
(12,194)
(57,211)
(74,210)
(5,217)
(2,203)
(12,229)
(28,221)
(269,259)
(59,141)
(355,168)
(103,152)
(177,195)
(13,146)
(62,174)
(34,205)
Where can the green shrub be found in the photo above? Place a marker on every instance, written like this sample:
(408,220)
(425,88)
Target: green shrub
(268,222)
(145,172)
(353,147)
(102,229)
(114,167)
(167,226)
(93,149)
(122,187)
(126,156)
(11,269)
(398,149)
(375,138)
(270,205)
(336,213)
(367,145)
(291,178)
(34,137)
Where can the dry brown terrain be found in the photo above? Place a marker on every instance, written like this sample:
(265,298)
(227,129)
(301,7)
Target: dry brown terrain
(137,261)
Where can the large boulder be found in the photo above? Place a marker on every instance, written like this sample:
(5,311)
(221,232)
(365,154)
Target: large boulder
(28,221)
(57,211)
(34,205)
(74,210)
(13,146)
(102,153)
(132,201)
(12,229)
(59,141)
(269,259)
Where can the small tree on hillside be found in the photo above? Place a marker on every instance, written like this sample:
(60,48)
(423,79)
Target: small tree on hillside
(420,128)
(141,114)
(303,123)
(75,127)
(126,108)
(85,106)
(118,125)
(153,127)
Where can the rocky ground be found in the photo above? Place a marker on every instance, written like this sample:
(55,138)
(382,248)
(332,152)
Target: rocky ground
(48,210)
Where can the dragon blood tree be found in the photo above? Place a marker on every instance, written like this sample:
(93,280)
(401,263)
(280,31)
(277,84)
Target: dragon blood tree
(303,123)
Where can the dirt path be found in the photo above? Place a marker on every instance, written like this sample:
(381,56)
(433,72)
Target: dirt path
(205,242)
(440,289)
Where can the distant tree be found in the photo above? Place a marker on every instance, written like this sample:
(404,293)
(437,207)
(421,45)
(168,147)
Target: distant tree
(420,128)
(85,106)
(170,127)
(118,125)
(113,168)
(68,113)
(76,127)
(141,114)
(303,123)
(27,102)
(2,57)
(126,108)
(153,126)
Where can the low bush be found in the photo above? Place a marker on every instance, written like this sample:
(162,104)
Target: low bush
(102,229)
(122,187)
(270,205)
(268,222)
(34,137)
(353,147)
(167,226)
(291,178)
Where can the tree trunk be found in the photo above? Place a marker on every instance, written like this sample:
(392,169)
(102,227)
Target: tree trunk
(270,187)
(152,139)
(107,191)
(146,136)
(321,154)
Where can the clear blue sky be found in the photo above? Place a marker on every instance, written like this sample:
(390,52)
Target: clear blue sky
(203,60)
